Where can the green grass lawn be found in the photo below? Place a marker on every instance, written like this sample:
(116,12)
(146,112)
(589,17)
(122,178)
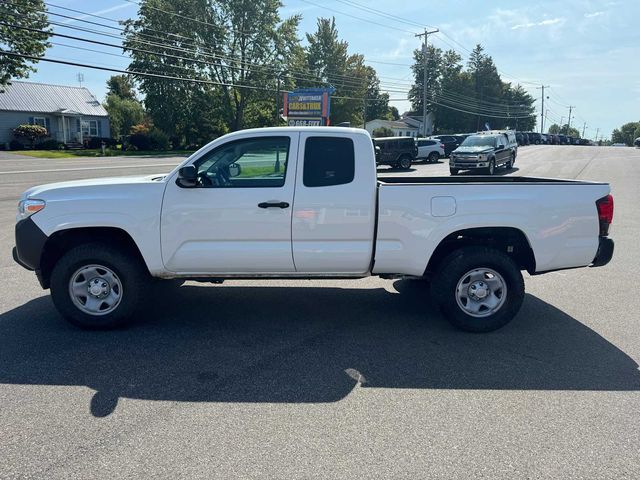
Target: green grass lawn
(98,153)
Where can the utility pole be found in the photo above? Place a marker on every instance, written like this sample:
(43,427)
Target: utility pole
(542,107)
(277,119)
(424,80)
(597,132)
(571,107)
(80,78)
(584,127)
(364,118)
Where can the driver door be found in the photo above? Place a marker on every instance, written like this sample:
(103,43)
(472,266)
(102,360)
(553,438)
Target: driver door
(238,218)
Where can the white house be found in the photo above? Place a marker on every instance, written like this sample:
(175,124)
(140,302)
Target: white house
(407,126)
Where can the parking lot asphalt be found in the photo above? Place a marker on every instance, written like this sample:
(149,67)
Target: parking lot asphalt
(328,379)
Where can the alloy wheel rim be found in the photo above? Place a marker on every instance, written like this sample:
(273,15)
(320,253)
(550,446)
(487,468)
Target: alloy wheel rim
(481,292)
(95,290)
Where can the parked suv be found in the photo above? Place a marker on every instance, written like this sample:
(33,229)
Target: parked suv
(535,138)
(451,142)
(398,152)
(486,152)
(430,150)
(563,140)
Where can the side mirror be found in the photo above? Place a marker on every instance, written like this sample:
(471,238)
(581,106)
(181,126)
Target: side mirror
(500,147)
(187,177)
(235,170)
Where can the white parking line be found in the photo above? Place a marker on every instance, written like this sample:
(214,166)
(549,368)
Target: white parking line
(90,168)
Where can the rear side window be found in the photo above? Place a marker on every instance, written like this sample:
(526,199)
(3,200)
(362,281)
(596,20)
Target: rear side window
(328,161)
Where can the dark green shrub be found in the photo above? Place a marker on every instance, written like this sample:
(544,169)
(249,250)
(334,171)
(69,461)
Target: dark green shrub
(16,145)
(96,142)
(49,144)
(154,140)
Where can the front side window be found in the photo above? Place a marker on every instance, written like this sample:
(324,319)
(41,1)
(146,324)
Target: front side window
(328,161)
(250,163)
(90,128)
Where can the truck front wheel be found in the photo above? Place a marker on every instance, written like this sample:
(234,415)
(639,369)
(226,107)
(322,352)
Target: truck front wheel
(97,286)
(478,289)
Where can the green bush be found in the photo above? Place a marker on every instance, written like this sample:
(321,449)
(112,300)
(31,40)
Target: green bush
(30,132)
(155,139)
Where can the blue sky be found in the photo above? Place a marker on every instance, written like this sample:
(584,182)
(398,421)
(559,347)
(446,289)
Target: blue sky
(587,51)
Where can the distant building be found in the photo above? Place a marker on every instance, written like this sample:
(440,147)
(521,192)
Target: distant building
(70,114)
(407,126)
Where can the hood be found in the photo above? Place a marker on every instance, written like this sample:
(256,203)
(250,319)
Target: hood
(478,149)
(42,190)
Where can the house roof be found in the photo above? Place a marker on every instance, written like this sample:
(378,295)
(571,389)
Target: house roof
(46,98)
(392,124)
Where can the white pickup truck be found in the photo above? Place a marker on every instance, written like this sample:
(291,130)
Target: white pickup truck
(305,203)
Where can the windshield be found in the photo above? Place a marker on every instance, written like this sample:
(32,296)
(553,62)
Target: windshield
(479,141)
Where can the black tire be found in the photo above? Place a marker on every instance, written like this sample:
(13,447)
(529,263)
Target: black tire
(453,171)
(128,269)
(509,164)
(433,157)
(405,162)
(455,267)
(491,169)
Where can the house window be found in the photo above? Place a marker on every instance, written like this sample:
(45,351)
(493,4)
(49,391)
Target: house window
(40,121)
(90,128)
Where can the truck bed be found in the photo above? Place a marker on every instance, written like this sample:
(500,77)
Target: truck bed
(558,218)
(482,179)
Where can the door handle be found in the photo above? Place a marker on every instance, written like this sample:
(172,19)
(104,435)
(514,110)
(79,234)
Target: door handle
(273,205)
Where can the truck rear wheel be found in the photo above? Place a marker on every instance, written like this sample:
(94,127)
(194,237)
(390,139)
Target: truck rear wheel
(96,286)
(478,289)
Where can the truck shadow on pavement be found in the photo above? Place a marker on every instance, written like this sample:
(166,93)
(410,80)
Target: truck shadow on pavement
(272,344)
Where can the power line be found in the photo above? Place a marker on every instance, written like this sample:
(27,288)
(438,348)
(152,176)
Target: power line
(324,7)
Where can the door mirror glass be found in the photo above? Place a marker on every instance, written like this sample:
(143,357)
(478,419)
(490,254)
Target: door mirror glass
(235,170)
(500,146)
(187,177)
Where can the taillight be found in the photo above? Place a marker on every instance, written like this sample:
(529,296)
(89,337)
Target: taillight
(442,145)
(605,214)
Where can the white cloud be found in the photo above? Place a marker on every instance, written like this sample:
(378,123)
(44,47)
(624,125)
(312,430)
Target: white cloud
(542,23)
(593,15)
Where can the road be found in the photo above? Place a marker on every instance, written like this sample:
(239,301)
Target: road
(328,379)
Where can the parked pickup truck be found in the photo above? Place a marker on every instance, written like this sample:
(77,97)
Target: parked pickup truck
(304,202)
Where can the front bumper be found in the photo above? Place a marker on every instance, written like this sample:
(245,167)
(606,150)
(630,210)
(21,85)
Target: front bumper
(605,252)
(464,164)
(30,242)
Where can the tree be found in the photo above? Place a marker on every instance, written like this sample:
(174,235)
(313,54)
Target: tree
(463,100)
(27,14)
(382,132)
(327,62)
(626,134)
(235,48)
(393,113)
(564,130)
(123,114)
(121,86)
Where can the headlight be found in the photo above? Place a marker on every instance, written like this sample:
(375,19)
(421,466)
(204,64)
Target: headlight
(28,207)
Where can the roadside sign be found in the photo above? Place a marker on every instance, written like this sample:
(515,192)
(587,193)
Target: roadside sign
(308,107)
(305,122)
